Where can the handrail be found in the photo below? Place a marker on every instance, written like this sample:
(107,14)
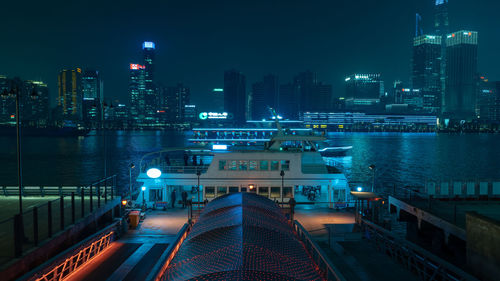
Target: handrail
(168,150)
(443,268)
(331,270)
(158,271)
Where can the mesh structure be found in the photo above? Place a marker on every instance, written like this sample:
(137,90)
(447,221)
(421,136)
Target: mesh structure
(242,236)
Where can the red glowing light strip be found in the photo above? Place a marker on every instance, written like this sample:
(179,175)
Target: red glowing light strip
(74,262)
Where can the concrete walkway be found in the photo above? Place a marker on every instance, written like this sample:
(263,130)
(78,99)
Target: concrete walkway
(133,256)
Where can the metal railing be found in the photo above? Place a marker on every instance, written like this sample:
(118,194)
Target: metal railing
(419,261)
(329,271)
(40,222)
(158,274)
(74,258)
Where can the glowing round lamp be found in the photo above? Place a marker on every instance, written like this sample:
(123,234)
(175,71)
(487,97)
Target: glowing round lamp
(124,202)
(143,188)
(153,173)
(359,189)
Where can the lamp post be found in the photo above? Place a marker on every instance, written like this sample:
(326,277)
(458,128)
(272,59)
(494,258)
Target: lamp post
(198,174)
(130,179)
(282,174)
(373,167)
(143,200)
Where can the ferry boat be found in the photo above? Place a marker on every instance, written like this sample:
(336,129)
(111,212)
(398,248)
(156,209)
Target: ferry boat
(287,166)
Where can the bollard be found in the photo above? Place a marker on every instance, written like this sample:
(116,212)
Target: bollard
(72,208)
(61,211)
(49,218)
(35,225)
(18,236)
(91,203)
(82,202)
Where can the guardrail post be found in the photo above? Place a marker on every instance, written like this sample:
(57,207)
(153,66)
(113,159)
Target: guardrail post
(35,225)
(61,211)
(99,196)
(18,236)
(105,194)
(72,207)
(82,199)
(91,203)
(49,218)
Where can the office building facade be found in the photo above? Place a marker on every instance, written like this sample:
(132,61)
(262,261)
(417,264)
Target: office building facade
(70,94)
(235,98)
(264,96)
(426,71)
(459,101)
(91,86)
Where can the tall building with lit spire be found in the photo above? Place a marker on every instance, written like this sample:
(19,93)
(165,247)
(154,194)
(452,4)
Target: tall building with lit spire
(442,28)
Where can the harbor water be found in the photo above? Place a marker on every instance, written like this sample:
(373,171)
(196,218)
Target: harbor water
(404,159)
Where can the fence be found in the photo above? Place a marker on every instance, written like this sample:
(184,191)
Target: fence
(27,230)
(329,271)
(424,264)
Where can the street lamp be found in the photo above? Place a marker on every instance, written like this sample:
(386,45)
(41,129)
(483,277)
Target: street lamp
(15,94)
(372,167)
(130,178)
(198,174)
(143,200)
(282,174)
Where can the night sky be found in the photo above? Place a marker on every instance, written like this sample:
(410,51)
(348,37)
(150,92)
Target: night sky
(197,40)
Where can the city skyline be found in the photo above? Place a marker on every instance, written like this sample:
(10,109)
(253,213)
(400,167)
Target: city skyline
(328,56)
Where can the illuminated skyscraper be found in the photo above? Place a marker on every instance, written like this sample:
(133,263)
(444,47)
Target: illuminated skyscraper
(426,75)
(461,71)
(137,92)
(264,95)
(235,95)
(363,92)
(151,98)
(91,85)
(70,95)
(442,28)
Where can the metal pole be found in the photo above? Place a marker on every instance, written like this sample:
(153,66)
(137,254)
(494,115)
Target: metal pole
(19,166)
(130,182)
(282,174)
(373,180)
(198,173)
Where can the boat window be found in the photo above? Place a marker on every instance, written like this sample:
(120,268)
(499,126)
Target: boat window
(210,192)
(264,165)
(243,189)
(275,165)
(264,191)
(222,165)
(242,165)
(233,165)
(285,165)
(221,190)
(252,165)
(275,191)
(287,192)
(233,189)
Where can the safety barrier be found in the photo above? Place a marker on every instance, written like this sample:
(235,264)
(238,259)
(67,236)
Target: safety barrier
(419,261)
(329,271)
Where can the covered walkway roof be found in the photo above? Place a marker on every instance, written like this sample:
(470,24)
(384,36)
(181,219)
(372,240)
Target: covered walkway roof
(242,236)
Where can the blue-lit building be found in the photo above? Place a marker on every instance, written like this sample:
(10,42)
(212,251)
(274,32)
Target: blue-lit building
(265,94)
(235,97)
(363,92)
(151,102)
(91,84)
(70,94)
(459,101)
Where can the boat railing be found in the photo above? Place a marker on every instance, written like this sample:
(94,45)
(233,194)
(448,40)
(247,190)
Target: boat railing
(184,169)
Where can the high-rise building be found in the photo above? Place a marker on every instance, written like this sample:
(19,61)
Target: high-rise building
(442,28)
(363,92)
(217,100)
(91,85)
(137,92)
(177,99)
(235,95)
(289,104)
(461,71)
(151,98)
(264,96)
(304,85)
(70,95)
(321,97)
(426,76)
(487,100)
(35,101)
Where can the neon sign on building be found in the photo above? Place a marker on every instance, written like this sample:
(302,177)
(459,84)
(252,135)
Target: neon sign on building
(135,66)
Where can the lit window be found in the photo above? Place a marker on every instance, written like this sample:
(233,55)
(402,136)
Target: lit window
(233,189)
(285,165)
(252,165)
(275,165)
(221,190)
(242,165)
(264,165)
(287,192)
(222,165)
(233,165)
(264,191)
(210,192)
(275,191)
